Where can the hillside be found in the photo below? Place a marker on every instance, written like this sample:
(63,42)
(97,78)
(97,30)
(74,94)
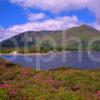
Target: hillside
(84,32)
(19,83)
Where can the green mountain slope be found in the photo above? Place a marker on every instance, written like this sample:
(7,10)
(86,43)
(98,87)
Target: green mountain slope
(84,32)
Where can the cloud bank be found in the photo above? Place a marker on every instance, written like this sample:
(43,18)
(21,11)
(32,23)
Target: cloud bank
(52,5)
(60,23)
(36,17)
(61,5)
(57,6)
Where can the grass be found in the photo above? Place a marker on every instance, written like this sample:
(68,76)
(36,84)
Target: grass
(18,83)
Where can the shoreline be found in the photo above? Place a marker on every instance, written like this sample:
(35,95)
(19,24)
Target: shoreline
(40,54)
(30,54)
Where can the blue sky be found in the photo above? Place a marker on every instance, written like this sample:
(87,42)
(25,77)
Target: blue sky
(11,14)
(22,15)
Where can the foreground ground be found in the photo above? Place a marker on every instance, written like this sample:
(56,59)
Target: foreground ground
(18,83)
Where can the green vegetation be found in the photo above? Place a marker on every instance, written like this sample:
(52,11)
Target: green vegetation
(29,40)
(6,50)
(18,83)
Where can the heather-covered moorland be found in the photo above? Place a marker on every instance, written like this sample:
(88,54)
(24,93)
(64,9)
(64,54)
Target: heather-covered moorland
(19,83)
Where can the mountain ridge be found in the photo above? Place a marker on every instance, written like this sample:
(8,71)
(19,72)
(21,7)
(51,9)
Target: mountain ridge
(84,32)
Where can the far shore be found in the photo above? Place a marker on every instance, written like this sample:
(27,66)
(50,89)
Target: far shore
(30,54)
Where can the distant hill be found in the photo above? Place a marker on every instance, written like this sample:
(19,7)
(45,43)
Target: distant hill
(84,32)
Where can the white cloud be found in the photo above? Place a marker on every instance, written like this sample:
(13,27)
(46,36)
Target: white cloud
(53,5)
(60,23)
(62,5)
(4,33)
(36,17)
(96,25)
(94,7)
(1,33)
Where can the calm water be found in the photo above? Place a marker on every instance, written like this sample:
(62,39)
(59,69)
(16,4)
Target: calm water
(81,60)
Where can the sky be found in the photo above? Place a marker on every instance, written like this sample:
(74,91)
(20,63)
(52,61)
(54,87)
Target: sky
(17,16)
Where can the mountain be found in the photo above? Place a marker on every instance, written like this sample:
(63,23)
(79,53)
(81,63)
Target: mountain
(83,32)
